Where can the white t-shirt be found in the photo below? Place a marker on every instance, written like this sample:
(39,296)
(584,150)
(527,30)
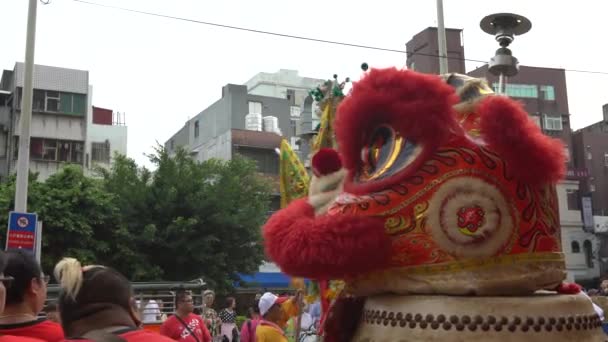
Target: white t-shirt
(151,312)
(306,322)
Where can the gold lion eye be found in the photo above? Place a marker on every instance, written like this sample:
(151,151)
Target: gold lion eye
(385,154)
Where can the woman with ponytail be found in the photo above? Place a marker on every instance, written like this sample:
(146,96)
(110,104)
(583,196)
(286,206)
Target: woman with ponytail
(96,304)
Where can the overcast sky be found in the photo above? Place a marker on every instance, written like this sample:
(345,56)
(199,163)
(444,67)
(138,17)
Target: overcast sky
(160,72)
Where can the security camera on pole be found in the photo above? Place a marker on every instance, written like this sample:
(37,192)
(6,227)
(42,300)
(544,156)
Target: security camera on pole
(24,230)
(504,26)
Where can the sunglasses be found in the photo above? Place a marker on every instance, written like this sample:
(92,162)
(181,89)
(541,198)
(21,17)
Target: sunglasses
(45,279)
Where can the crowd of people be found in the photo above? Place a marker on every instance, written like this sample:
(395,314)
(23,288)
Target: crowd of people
(96,303)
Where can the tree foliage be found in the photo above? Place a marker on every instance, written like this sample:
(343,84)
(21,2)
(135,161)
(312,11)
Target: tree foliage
(186,220)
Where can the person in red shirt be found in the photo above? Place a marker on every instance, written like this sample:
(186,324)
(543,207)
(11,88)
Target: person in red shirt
(5,282)
(96,304)
(185,326)
(25,299)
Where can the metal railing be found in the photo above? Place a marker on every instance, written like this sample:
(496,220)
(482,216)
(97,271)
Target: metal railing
(163,293)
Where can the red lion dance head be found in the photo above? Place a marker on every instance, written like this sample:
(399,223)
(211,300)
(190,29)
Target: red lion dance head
(430,200)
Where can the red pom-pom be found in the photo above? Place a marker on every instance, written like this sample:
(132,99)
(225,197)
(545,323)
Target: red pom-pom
(325,162)
(568,288)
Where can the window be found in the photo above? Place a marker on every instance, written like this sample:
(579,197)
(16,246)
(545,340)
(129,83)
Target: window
(56,150)
(196,129)
(294,143)
(77,152)
(519,90)
(575,247)
(38,100)
(573,200)
(293,126)
(52,101)
(567,153)
(553,123)
(49,150)
(72,103)
(255,107)
(536,119)
(548,92)
(295,111)
(172,144)
(63,151)
(588,249)
(100,152)
(605,159)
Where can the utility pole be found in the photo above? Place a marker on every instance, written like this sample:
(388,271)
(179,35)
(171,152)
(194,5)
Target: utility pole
(23,161)
(441,40)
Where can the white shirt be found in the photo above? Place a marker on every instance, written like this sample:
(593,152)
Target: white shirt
(151,312)
(306,322)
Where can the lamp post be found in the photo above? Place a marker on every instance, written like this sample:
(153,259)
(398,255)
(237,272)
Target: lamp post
(504,27)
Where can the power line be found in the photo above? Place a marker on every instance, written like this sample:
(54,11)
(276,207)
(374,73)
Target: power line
(284,35)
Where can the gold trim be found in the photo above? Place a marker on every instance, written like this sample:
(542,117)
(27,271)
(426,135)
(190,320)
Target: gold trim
(473,264)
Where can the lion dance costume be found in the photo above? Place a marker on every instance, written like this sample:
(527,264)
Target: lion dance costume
(440,214)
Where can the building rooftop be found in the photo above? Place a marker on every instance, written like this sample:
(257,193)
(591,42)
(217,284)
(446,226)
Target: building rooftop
(55,78)
(265,140)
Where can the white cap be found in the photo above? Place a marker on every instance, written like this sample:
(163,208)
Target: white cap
(268,300)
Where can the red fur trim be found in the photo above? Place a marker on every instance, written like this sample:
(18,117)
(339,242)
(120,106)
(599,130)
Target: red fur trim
(568,288)
(325,162)
(325,247)
(531,156)
(417,106)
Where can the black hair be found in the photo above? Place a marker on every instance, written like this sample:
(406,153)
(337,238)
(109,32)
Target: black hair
(51,307)
(256,307)
(2,261)
(23,267)
(86,291)
(180,295)
(230,301)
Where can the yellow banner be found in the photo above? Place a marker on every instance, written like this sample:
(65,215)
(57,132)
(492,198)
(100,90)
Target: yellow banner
(325,137)
(293,176)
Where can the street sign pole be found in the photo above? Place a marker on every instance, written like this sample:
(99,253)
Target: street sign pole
(23,160)
(38,250)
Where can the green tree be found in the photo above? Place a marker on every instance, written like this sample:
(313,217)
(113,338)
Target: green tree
(184,221)
(207,216)
(79,216)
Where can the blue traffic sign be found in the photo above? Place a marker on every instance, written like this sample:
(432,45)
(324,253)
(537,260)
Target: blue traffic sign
(21,232)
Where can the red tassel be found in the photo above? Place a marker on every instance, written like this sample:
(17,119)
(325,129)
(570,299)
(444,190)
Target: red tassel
(568,288)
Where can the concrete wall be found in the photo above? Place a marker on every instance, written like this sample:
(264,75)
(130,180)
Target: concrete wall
(592,141)
(225,114)
(425,43)
(572,230)
(219,147)
(54,126)
(277,85)
(179,139)
(115,135)
(54,78)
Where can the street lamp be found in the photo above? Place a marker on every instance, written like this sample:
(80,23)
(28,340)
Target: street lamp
(504,27)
